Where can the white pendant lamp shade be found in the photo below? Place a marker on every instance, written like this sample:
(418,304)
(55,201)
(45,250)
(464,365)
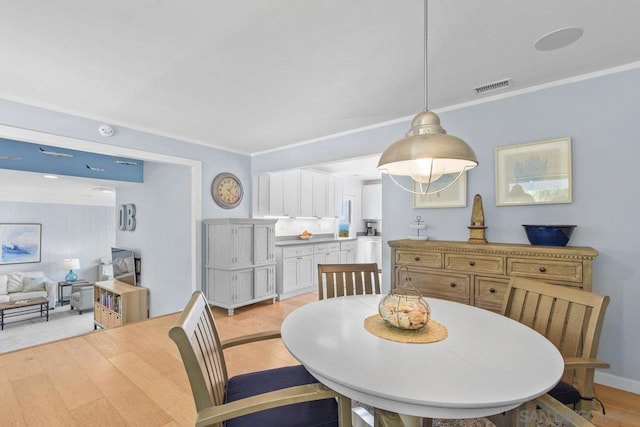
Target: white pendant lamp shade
(427,153)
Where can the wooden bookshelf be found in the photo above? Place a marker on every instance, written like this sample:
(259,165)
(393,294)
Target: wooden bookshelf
(116,303)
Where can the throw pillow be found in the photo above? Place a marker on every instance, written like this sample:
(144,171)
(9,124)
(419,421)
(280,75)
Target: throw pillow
(3,284)
(14,282)
(32,284)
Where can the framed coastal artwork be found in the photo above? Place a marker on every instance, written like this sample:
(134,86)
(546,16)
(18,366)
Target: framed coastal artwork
(20,243)
(454,196)
(534,173)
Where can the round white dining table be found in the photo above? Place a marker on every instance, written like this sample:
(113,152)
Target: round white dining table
(488,363)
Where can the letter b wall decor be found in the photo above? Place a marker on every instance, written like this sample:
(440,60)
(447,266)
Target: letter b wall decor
(127,217)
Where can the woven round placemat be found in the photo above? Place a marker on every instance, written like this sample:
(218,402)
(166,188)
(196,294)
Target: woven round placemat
(434,331)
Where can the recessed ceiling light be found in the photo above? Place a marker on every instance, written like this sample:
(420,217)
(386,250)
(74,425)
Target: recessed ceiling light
(559,38)
(50,176)
(103,189)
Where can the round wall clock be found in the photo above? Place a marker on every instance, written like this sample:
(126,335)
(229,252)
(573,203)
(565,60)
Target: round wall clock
(226,190)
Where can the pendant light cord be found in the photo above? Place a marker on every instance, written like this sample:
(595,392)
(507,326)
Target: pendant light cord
(426,69)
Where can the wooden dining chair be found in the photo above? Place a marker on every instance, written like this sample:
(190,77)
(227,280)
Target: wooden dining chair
(572,320)
(280,397)
(337,280)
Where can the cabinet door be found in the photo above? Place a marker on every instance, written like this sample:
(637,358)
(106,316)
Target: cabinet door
(306,193)
(263,281)
(264,244)
(319,195)
(243,251)
(372,201)
(348,256)
(276,194)
(289,274)
(330,196)
(261,203)
(243,282)
(338,198)
(305,271)
(291,193)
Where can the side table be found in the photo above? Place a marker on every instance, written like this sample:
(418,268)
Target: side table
(62,298)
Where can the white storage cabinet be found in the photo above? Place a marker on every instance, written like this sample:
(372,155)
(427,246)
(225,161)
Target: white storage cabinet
(239,261)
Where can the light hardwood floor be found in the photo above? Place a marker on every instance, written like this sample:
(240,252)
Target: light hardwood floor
(623,408)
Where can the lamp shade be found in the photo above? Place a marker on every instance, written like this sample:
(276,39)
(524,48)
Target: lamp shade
(71,264)
(427,153)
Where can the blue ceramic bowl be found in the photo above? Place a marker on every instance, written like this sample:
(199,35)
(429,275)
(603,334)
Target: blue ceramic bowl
(549,235)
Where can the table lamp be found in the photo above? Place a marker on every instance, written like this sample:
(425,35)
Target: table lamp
(71,264)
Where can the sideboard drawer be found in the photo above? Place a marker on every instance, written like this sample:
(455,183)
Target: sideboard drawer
(490,292)
(422,259)
(474,263)
(449,286)
(570,271)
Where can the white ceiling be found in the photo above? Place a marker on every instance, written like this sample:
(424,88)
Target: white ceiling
(18,186)
(254,75)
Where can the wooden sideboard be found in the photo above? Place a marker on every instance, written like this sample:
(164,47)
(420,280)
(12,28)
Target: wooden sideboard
(479,274)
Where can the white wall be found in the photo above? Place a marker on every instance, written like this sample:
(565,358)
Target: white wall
(162,235)
(601,117)
(68,231)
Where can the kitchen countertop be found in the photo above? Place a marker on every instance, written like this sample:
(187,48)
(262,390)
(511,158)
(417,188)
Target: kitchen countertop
(319,239)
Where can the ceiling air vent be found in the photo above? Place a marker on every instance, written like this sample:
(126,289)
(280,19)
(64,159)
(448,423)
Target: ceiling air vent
(501,84)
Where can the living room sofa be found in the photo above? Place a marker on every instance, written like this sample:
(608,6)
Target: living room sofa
(24,285)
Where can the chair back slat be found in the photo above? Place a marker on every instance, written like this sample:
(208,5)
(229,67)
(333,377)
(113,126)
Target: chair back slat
(336,280)
(197,339)
(570,318)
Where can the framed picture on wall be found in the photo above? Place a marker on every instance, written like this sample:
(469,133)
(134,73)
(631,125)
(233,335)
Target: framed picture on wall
(20,243)
(534,173)
(454,196)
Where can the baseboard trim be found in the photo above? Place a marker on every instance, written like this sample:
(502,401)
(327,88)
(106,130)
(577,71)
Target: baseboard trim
(615,381)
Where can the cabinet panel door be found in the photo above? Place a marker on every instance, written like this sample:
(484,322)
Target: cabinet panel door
(305,271)
(220,285)
(243,285)
(276,194)
(291,193)
(306,194)
(319,190)
(289,274)
(264,245)
(263,281)
(348,256)
(244,244)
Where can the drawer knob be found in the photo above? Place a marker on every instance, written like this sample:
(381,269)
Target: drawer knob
(453,284)
(417,258)
(542,269)
(492,290)
(472,263)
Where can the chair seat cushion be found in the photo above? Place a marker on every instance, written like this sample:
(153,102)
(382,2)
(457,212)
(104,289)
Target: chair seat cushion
(565,393)
(319,413)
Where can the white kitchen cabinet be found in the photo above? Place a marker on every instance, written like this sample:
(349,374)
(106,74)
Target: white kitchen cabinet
(325,253)
(239,262)
(294,270)
(372,201)
(277,194)
(297,193)
(348,252)
(370,250)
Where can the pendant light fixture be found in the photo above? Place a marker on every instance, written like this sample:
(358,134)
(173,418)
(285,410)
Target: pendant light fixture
(433,159)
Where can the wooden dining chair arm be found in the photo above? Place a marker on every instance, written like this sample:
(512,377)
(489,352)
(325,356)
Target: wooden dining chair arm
(584,362)
(273,399)
(556,410)
(246,339)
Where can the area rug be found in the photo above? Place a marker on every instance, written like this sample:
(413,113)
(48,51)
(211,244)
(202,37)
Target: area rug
(63,323)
